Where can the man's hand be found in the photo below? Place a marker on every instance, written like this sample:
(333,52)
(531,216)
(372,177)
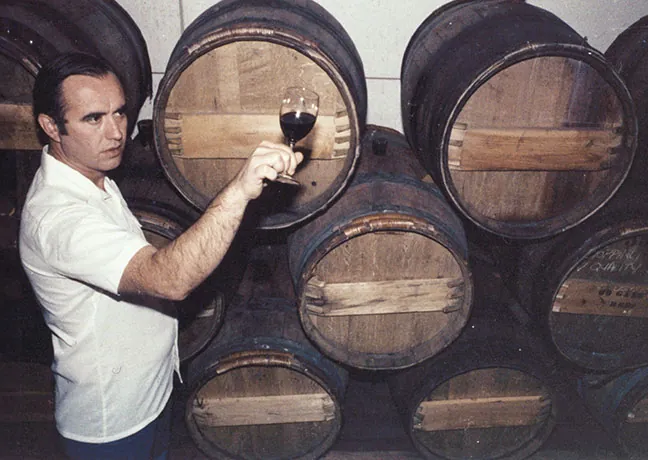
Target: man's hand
(267,160)
(176,269)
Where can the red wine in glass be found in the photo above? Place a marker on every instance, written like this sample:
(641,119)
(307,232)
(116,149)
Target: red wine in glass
(298,113)
(296,125)
(297,116)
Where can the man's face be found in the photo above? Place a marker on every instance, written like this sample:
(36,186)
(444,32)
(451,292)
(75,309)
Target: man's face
(95,118)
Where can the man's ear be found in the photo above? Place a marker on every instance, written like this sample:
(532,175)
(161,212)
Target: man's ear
(48,125)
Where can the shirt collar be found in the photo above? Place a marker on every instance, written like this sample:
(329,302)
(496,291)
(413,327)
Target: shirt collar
(59,174)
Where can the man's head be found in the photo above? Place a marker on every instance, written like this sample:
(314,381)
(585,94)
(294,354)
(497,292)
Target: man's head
(80,105)
(48,88)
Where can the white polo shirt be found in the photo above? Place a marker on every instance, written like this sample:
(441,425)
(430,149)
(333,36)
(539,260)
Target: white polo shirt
(113,360)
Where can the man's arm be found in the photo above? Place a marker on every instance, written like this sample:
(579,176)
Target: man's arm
(174,271)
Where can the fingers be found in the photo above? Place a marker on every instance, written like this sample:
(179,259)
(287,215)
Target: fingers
(265,171)
(279,157)
(299,157)
(266,162)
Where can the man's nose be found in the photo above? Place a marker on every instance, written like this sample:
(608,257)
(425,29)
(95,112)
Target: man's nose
(116,127)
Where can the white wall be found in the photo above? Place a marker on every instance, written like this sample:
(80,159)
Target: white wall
(380,29)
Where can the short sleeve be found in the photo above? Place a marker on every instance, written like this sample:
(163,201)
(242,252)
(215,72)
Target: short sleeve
(81,243)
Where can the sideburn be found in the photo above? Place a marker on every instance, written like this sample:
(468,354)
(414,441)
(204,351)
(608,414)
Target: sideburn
(60,125)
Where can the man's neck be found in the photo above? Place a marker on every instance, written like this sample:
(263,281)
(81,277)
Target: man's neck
(96,177)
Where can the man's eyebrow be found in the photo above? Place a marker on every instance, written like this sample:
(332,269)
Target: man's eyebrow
(91,115)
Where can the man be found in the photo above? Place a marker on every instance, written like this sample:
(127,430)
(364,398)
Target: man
(94,273)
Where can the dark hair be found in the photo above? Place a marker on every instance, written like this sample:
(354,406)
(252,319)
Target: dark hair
(48,88)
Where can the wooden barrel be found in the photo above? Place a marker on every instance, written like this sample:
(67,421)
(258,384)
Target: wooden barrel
(200,316)
(489,395)
(526,128)
(382,277)
(620,405)
(221,93)
(629,56)
(598,309)
(587,288)
(33,32)
(261,390)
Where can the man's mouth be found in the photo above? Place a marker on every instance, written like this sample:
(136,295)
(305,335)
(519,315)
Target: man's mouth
(115,150)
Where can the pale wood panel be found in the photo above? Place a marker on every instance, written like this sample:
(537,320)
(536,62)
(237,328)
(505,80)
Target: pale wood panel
(264,410)
(609,282)
(461,414)
(210,83)
(264,440)
(222,136)
(530,148)
(385,256)
(368,298)
(208,176)
(585,297)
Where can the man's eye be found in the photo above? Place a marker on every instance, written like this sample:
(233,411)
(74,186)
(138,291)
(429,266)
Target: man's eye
(93,118)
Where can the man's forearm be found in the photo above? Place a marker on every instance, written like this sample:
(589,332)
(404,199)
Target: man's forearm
(173,271)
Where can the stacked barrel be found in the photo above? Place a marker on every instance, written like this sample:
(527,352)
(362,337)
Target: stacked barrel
(218,100)
(614,384)
(386,239)
(261,389)
(487,264)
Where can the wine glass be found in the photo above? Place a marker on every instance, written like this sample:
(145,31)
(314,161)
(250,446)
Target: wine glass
(297,116)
